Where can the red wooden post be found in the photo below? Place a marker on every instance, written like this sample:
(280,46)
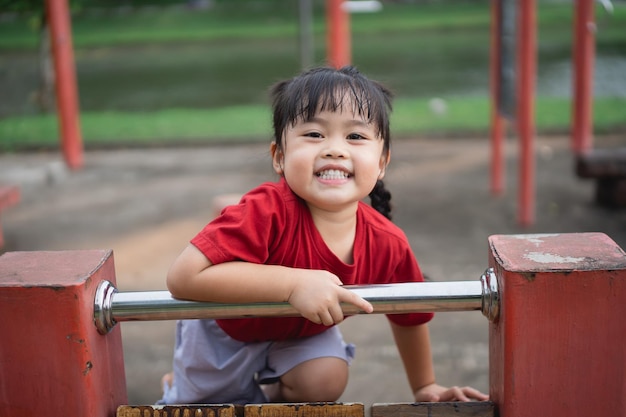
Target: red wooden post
(583,53)
(9,196)
(559,345)
(526,68)
(65,79)
(53,361)
(497,121)
(338,34)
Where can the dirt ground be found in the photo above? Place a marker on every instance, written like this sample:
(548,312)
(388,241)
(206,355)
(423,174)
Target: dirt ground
(146,204)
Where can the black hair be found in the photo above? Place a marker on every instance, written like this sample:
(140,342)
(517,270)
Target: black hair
(325,88)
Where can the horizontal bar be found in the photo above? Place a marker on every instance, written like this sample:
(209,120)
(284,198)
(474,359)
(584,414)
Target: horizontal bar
(111,306)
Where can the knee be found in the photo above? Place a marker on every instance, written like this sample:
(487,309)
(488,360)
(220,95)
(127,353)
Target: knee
(317,380)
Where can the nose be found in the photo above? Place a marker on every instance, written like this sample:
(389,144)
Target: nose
(335,148)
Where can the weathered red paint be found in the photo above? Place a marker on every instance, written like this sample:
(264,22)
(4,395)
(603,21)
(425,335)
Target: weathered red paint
(65,77)
(339,48)
(53,361)
(9,196)
(525,118)
(497,120)
(583,53)
(559,346)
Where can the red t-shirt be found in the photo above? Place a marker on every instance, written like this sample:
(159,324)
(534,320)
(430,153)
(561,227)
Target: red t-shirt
(271,225)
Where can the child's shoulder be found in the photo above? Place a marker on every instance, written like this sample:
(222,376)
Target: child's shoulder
(273,194)
(278,189)
(378,224)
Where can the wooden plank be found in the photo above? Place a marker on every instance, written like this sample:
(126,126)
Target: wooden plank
(443,409)
(305,410)
(190,410)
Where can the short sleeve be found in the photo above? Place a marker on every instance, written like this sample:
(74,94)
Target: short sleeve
(244,232)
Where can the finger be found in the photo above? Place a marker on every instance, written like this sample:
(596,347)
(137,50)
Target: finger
(326,319)
(358,301)
(454,394)
(475,394)
(336,314)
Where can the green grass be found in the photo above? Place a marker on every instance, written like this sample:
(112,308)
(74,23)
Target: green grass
(411,118)
(381,42)
(235,21)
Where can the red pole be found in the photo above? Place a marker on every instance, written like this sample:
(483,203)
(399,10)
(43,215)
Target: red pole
(583,56)
(65,77)
(338,34)
(497,121)
(558,346)
(526,67)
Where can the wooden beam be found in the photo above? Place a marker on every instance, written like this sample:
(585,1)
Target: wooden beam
(444,409)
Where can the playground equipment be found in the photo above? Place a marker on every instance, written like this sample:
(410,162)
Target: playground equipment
(9,196)
(58,15)
(557,338)
(513,39)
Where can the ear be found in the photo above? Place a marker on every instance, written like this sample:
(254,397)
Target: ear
(277,158)
(384,161)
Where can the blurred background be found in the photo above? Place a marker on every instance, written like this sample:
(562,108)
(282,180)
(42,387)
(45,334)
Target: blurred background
(160,67)
(152,74)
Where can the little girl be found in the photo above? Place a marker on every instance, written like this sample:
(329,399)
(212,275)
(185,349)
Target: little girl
(299,240)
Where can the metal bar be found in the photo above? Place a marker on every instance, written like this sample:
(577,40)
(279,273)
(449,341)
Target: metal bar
(111,306)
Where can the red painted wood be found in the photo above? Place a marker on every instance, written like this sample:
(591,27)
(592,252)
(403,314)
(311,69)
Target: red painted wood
(9,196)
(583,53)
(497,121)
(339,48)
(65,75)
(53,361)
(559,346)
(525,118)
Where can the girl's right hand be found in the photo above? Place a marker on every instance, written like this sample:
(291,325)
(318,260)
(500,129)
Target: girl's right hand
(317,296)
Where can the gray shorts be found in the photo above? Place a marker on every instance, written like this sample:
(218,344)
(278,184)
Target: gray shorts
(210,367)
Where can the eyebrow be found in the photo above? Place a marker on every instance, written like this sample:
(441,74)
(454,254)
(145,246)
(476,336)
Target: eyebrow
(351,122)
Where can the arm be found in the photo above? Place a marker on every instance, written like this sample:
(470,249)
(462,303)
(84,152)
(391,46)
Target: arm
(413,344)
(315,294)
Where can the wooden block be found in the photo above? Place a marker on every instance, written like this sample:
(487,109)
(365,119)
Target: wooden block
(444,409)
(558,346)
(53,361)
(190,410)
(305,410)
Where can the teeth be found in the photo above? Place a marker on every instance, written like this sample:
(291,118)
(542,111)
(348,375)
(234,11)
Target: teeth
(333,174)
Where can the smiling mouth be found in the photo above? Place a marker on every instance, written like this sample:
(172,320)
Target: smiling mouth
(333,174)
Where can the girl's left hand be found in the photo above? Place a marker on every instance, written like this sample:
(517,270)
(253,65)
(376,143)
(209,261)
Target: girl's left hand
(437,393)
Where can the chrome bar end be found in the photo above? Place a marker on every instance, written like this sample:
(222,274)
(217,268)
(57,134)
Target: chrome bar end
(491,297)
(102,309)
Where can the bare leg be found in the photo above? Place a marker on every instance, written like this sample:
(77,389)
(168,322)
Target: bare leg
(316,380)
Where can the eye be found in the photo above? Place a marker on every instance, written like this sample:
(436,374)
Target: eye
(313,134)
(355,136)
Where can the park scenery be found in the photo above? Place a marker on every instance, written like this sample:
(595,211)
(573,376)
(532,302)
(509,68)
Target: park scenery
(174,114)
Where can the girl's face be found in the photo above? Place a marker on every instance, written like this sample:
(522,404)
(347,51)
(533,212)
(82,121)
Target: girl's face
(333,160)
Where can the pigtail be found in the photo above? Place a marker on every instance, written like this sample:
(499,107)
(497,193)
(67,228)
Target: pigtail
(381,199)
